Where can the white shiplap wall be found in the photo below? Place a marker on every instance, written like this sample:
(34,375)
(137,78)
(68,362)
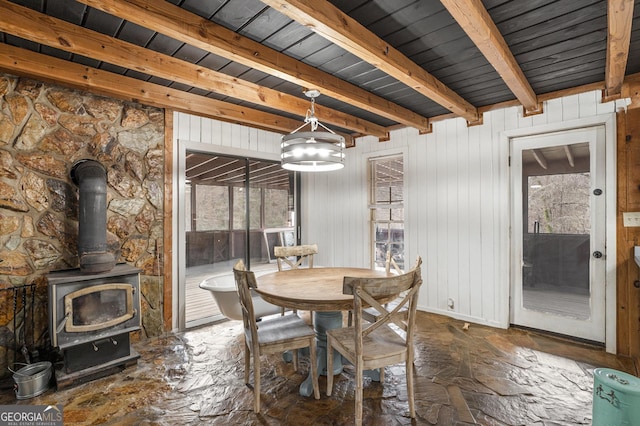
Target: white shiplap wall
(457,200)
(227,136)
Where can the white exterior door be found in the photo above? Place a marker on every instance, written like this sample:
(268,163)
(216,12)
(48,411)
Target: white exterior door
(558,232)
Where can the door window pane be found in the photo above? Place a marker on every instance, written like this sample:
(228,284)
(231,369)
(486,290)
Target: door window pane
(212,207)
(187,207)
(239,208)
(276,208)
(559,204)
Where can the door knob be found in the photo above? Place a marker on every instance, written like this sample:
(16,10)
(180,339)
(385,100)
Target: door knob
(597,254)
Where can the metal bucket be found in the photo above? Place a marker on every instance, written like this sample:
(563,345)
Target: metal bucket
(616,398)
(32,380)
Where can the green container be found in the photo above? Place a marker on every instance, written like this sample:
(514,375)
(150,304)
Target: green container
(616,398)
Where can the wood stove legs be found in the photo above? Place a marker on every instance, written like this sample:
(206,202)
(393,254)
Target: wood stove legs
(66,380)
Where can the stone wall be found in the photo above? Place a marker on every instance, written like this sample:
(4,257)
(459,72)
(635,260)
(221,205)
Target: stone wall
(44,129)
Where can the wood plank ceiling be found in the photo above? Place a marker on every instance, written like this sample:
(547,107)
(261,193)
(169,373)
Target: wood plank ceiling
(208,169)
(380,64)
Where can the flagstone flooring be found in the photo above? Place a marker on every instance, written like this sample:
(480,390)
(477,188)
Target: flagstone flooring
(480,375)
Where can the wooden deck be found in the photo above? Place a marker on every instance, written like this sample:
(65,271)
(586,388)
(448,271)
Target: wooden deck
(200,306)
(561,303)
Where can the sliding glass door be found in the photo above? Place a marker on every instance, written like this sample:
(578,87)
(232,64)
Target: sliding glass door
(234,208)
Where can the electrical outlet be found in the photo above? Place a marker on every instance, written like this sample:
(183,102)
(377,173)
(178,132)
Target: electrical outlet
(631,219)
(450,303)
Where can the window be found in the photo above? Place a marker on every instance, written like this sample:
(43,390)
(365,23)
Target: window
(559,204)
(239,208)
(386,207)
(277,208)
(207,200)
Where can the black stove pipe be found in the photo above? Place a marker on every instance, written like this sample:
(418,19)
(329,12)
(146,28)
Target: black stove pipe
(91,178)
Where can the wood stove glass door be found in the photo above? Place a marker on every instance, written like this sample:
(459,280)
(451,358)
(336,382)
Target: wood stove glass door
(98,307)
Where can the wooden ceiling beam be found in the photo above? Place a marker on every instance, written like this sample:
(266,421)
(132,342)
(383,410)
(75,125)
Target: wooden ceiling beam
(540,158)
(34,65)
(474,19)
(619,17)
(631,90)
(189,28)
(569,154)
(35,26)
(331,23)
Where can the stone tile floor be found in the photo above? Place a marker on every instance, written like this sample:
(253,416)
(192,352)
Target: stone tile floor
(482,375)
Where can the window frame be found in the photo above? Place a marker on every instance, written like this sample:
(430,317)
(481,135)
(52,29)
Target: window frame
(375,206)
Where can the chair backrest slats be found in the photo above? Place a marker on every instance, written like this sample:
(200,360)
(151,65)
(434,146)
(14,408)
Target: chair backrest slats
(295,256)
(245,281)
(367,291)
(396,315)
(391,262)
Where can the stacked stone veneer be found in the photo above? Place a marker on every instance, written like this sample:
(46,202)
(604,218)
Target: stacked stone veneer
(44,129)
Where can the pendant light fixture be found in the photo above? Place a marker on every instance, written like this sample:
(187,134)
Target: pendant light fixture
(314,150)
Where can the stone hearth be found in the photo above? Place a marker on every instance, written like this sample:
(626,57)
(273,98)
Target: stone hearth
(44,129)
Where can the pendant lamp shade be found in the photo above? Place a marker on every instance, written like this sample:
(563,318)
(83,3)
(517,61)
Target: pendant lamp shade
(314,150)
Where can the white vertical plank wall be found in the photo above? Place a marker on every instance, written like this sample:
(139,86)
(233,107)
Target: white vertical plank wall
(457,201)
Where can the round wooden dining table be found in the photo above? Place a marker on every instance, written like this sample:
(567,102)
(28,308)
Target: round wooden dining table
(318,290)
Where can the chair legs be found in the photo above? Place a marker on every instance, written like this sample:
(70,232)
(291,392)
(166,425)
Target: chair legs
(256,382)
(329,366)
(359,391)
(256,371)
(360,384)
(410,393)
(247,363)
(314,369)
(294,354)
(359,381)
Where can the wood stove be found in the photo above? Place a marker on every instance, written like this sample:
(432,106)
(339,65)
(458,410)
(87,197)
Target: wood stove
(94,308)
(90,319)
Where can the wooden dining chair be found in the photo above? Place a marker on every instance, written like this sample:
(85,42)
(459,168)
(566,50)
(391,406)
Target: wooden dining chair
(371,314)
(390,264)
(271,335)
(295,257)
(375,345)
